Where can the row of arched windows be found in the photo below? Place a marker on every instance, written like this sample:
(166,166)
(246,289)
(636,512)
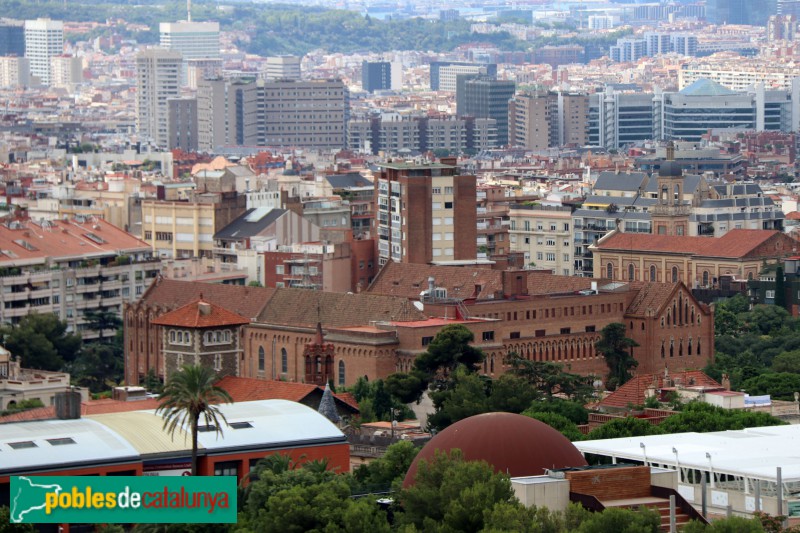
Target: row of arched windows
(674,277)
(673,349)
(180,337)
(262,364)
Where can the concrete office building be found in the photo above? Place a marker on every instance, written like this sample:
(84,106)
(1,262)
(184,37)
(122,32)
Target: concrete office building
(14,71)
(426,213)
(444,73)
(44,39)
(194,40)
(376,76)
(616,118)
(157,80)
(282,68)
(420,134)
(283,113)
(12,38)
(683,43)
(182,124)
(485,97)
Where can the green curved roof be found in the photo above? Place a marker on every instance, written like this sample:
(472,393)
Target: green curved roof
(706,87)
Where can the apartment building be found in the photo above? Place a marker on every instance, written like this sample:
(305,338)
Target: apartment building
(157,80)
(14,72)
(66,71)
(426,213)
(69,267)
(193,40)
(544,235)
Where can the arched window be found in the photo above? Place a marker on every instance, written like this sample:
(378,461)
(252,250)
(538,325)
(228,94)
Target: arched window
(689,347)
(610,271)
(631,272)
(672,348)
(341,373)
(674,274)
(261,359)
(172,336)
(662,349)
(699,347)
(652,273)
(491,365)
(680,348)
(284,361)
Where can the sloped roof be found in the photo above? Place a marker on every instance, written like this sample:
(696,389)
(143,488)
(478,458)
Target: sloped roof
(200,314)
(632,392)
(305,308)
(250,223)
(240,299)
(705,87)
(651,296)
(623,181)
(247,389)
(347,181)
(407,280)
(734,244)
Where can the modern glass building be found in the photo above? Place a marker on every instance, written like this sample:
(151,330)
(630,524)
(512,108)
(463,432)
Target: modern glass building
(485,97)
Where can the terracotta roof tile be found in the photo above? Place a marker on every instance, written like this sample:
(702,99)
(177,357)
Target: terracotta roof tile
(200,314)
(302,307)
(240,299)
(407,280)
(633,392)
(652,297)
(734,244)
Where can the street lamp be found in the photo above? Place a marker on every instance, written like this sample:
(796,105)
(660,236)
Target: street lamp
(644,452)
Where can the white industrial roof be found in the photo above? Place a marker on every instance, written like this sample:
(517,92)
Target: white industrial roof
(131,436)
(753,452)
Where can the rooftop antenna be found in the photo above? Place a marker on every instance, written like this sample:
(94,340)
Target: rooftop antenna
(188,10)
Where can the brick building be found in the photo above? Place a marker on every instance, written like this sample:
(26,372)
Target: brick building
(536,314)
(201,333)
(697,262)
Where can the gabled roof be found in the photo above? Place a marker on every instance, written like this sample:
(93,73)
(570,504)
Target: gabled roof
(250,223)
(200,314)
(737,243)
(633,392)
(242,300)
(306,308)
(706,87)
(408,280)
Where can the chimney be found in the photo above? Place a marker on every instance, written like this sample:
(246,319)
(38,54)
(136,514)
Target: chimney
(68,405)
(204,308)
(515,283)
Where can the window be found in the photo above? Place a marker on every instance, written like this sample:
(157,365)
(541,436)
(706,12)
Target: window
(652,273)
(631,272)
(553,227)
(448,190)
(705,278)
(426,340)
(674,274)
(769,295)
(284,361)
(218,362)
(261,359)
(551,257)
(514,335)
(279,269)
(551,242)
(448,205)
(565,331)
(488,335)
(610,271)
(226,468)
(436,190)
(341,373)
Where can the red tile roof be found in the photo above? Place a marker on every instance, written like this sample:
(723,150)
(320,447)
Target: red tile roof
(26,240)
(240,299)
(632,392)
(734,244)
(794,215)
(200,314)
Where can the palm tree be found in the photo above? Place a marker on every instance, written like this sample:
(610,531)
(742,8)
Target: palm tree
(189,394)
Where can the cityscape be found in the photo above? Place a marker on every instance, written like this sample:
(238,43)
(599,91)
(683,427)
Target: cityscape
(400,266)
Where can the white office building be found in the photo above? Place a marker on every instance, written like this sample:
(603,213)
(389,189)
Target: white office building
(194,40)
(44,39)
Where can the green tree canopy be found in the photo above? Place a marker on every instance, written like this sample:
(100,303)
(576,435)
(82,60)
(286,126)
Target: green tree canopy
(574,411)
(616,348)
(702,417)
(558,422)
(549,378)
(625,427)
(451,494)
(779,385)
(787,362)
(42,341)
(389,469)
(448,350)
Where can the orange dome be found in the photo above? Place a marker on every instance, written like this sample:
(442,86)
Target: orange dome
(515,444)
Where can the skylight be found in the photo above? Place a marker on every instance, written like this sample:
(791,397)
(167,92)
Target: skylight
(240,425)
(61,441)
(22,445)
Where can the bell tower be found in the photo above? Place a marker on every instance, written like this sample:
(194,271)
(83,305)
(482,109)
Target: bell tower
(670,216)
